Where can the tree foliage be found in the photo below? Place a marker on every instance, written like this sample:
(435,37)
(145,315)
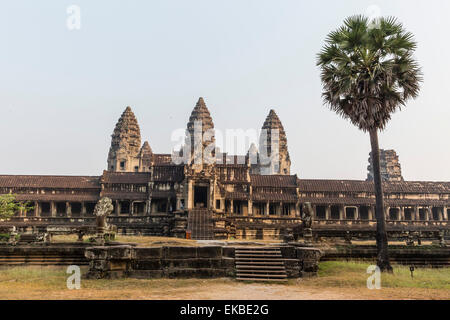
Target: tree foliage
(368,70)
(9,206)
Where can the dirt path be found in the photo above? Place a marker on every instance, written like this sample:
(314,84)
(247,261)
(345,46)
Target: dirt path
(232,291)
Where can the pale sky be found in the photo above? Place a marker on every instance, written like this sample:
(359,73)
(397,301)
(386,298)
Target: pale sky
(62,91)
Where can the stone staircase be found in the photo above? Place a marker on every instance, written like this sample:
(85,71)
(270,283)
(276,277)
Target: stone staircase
(200,223)
(259,264)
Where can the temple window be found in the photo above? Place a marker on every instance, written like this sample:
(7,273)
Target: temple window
(409,213)
(350,213)
(61,208)
(335,212)
(124,207)
(364,212)
(321,212)
(76,209)
(45,209)
(394,214)
(422,214)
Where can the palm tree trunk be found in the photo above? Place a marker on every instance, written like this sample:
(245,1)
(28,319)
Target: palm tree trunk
(382,243)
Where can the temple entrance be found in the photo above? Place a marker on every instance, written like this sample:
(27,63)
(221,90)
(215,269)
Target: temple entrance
(200,197)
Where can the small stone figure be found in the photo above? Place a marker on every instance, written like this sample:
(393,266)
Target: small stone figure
(288,235)
(307,215)
(307,222)
(348,237)
(103,208)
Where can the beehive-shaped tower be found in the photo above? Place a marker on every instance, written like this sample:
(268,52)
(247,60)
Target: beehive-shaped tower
(125,144)
(273,150)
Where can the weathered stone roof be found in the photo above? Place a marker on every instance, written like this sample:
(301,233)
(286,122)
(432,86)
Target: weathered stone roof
(316,185)
(280,181)
(125,177)
(58,182)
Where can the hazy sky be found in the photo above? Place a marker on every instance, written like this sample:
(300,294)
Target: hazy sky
(62,91)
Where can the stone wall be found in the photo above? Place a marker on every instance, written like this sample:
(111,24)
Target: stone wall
(430,256)
(187,262)
(157,262)
(49,254)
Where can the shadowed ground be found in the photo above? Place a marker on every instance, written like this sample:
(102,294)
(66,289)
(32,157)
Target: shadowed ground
(336,280)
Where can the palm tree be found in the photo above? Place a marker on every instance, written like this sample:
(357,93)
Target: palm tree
(368,72)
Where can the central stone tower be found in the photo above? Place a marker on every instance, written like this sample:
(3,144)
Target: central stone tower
(273,150)
(200,138)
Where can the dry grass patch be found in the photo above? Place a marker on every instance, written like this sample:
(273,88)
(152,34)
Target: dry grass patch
(336,280)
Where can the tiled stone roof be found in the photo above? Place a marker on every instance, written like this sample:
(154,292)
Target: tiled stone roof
(281,181)
(56,182)
(366,186)
(286,197)
(94,197)
(125,177)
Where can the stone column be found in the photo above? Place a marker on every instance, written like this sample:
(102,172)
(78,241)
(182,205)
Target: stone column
(297,209)
(211,195)
(441,214)
(370,213)
(417,213)
(445,213)
(83,209)
(37,208)
(357,216)
(53,209)
(281,209)
(328,212)
(341,212)
(117,208)
(231,206)
(190,199)
(428,215)
(267,208)
(148,208)
(250,207)
(402,213)
(68,210)
(131,208)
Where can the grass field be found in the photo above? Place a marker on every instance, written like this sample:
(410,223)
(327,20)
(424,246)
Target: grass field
(336,280)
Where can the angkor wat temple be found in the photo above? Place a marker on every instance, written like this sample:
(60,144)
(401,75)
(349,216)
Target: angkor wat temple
(226,196)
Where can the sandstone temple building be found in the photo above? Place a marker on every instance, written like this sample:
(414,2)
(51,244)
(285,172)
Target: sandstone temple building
(229,195)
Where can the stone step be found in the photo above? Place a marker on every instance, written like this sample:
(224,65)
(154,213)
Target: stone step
(241,255)
(259,264)
(258,252)
(267,276)
(258,279)
(262,271)
(259,249)
(263,263)
(257,259)
(255,267)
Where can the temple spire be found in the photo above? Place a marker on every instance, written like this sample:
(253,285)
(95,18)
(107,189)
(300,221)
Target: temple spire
(125,143)
(200,129)
(274,136)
